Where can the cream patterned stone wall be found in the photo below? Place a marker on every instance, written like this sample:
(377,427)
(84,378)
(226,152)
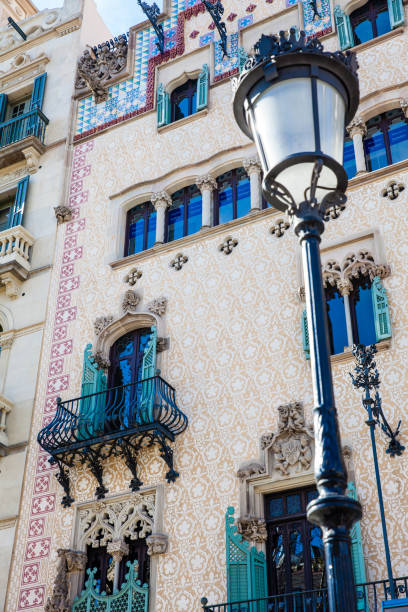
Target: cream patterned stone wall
(235,347)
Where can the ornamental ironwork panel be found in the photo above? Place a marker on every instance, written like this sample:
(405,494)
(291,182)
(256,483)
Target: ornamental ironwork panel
(132,597)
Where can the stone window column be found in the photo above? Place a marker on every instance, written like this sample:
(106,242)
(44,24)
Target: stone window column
(161,201)
(207,184)
(253,168)
(357,130)
(118,549)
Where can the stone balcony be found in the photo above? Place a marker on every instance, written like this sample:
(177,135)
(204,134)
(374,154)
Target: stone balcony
(23,138)
(5,408)
(15,252)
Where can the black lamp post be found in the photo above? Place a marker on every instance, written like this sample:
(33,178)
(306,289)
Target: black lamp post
(367,378)
(294,100)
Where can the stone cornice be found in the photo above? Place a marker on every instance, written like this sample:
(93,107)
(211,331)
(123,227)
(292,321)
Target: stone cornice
(22,68)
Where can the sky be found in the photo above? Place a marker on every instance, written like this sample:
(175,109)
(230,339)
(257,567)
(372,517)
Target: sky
(118,21)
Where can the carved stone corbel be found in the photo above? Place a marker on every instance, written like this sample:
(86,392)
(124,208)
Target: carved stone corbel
(70,563)
(252,529)
(157,544)
(32,157)
(63,214)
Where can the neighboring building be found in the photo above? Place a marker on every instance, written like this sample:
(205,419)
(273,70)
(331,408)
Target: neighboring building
(36,87)
(173,264)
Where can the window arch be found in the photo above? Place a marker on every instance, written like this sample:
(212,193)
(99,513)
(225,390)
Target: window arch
(369,21)
(184,216)
(386,142)
(140,228)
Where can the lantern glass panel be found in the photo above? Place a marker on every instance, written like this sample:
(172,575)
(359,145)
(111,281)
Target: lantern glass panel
(332,110)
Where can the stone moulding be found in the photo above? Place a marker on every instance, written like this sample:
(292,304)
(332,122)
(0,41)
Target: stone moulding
(360,263)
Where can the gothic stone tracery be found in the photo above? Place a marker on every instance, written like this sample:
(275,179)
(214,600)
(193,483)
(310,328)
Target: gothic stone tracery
(357,264)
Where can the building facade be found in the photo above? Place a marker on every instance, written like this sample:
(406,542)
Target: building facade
(36,86)
(174,389)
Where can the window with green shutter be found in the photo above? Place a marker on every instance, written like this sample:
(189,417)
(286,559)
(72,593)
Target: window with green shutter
(344,31)
(15,216)
(163,106)
(37,96)
(357,555)
(92,408)
(396,13)
(381,311)
(202,88)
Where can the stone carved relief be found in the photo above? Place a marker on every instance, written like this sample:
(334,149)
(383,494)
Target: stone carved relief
(133,276)
(63,214)
(130,301)
(252,529)
(96,69)
(392,190)
(70,562)
(279,228)
(291,448)
(251,468)
(101,323)
(158,306)
(157,544)
(361,263)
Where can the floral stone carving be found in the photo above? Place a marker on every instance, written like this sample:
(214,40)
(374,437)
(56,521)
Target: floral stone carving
(133,276)
(291,448)
(252,529)
(158,306)
(97,67)
(101,323)
(70,562)
(392,190)
(130,301)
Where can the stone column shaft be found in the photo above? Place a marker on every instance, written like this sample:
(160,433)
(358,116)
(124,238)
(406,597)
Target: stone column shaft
(207,184)
(253,169)
(161,201)
(357,130)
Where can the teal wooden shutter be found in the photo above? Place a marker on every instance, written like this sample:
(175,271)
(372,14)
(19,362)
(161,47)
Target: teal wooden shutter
(357,555)
(381,310)
(37,97)
(344,31)
(16,217)
(396,13)
(3,107)
(92,409)
(243,56)
(246,568)
(305,335)
(148,380)
(202,88)
(163,106)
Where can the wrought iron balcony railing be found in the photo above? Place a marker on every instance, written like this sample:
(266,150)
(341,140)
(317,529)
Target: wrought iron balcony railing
(33,123)
(369,598)
(119,421)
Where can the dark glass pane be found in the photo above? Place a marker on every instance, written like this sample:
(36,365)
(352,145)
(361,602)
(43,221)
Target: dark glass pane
(176,218)
(276,507)
(4,217)
(363,32)
(136,234)
(278,560)
(293,505)
(143,342)
(375,150)
(311,495)
(317,558)
(383,22)
(225,206)
(124,346)
(349,159)
(194,103)
(398,137)
(151,230)
(337,323)
(182,108)
(243,196)
(100,559)
(365,316)
(194,218)
(297,560)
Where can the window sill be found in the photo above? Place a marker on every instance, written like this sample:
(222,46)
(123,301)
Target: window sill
(206,232)
(348,355)
(368,177)
(378,39)
(184,121)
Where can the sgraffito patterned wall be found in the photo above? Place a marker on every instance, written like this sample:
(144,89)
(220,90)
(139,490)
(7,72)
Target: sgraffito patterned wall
(235,355)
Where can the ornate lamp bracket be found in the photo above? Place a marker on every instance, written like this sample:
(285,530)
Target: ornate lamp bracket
(152,13)
(216,11)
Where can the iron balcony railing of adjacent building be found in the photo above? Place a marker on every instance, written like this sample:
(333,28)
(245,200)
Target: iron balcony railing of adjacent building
(117,422)
(369,598)
(33,123)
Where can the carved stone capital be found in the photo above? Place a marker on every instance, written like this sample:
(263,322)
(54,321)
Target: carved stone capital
(163,344)
(161,199)
(32,157)
(252,529)
(101,323)
(252,165)
(130,301)
(206,183)
(345,286)
(157,544)
(118,549)
(6,340)
(59,599)
(63,213)
(76,561)
(357,126)
(404,106)
(158,306)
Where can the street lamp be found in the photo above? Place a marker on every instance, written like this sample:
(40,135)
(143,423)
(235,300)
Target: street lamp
(294,100)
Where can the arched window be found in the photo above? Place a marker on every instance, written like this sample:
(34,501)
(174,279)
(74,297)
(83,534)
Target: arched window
(387,139)
(126,358)
(140,228)
(184,216)
(233,197)
(370,20)
(349,157)
(184,100)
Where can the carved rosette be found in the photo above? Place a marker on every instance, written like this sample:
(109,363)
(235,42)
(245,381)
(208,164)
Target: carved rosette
(158,306)
(157,544)
(130,301)
(291,448)
(63,214)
